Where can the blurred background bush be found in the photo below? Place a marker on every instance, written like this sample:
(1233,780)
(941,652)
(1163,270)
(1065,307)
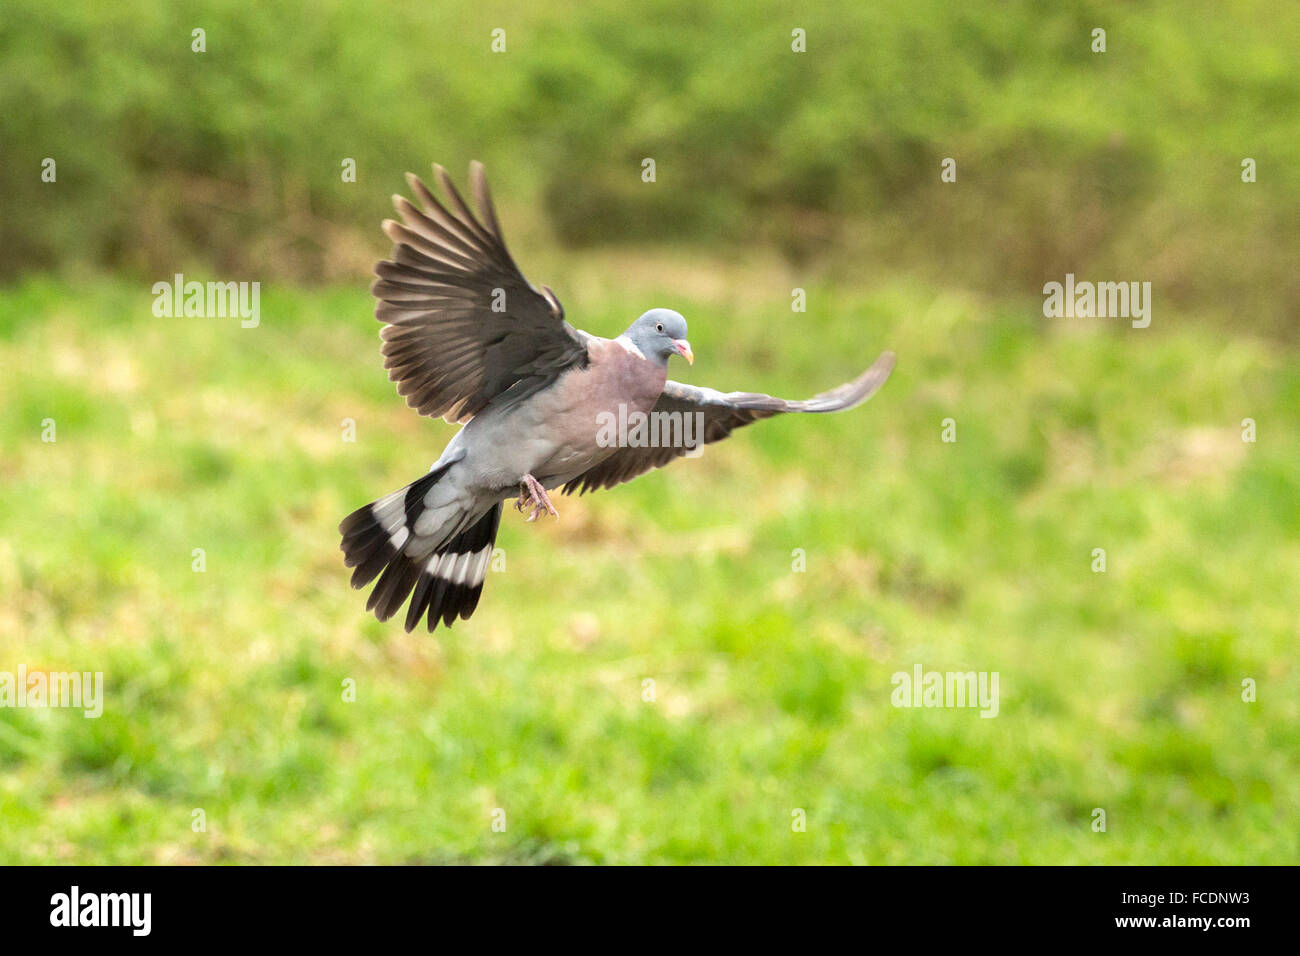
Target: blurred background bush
(1122,163)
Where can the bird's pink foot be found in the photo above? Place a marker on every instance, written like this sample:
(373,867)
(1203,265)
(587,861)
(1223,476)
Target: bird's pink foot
(532,493)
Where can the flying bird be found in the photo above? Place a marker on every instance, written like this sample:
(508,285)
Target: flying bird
(467,338)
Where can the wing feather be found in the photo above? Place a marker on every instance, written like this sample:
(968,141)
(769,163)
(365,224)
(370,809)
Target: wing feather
(462,326)
(722,414)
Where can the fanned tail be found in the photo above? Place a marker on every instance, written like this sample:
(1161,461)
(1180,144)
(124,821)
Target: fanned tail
(443,579)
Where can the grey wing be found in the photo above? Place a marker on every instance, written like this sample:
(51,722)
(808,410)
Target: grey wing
(463,326)
(722,414)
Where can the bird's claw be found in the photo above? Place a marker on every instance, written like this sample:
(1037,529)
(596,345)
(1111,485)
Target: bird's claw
(532,493)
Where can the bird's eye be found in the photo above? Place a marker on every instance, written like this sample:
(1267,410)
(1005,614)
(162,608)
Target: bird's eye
(659,327)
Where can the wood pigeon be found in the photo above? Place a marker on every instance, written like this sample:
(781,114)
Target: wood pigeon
(467,338)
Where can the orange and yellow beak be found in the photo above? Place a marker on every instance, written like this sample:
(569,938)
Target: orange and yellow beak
(684,348)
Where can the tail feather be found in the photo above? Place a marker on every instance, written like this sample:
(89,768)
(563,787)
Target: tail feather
(376,532)
(444,577)
(456,579)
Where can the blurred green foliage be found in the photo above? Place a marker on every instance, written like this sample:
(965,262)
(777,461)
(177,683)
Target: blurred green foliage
(1124,164)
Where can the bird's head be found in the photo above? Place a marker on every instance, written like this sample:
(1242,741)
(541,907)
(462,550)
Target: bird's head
(660,334)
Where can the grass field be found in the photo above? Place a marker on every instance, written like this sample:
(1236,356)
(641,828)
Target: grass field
(225,689)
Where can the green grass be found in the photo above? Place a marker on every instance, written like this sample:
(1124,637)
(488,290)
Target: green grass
(1119,691)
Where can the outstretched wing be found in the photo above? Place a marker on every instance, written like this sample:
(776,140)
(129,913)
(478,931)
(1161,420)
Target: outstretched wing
(463,326)
(723,413)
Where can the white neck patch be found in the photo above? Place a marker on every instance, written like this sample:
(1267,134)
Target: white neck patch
(628,344)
